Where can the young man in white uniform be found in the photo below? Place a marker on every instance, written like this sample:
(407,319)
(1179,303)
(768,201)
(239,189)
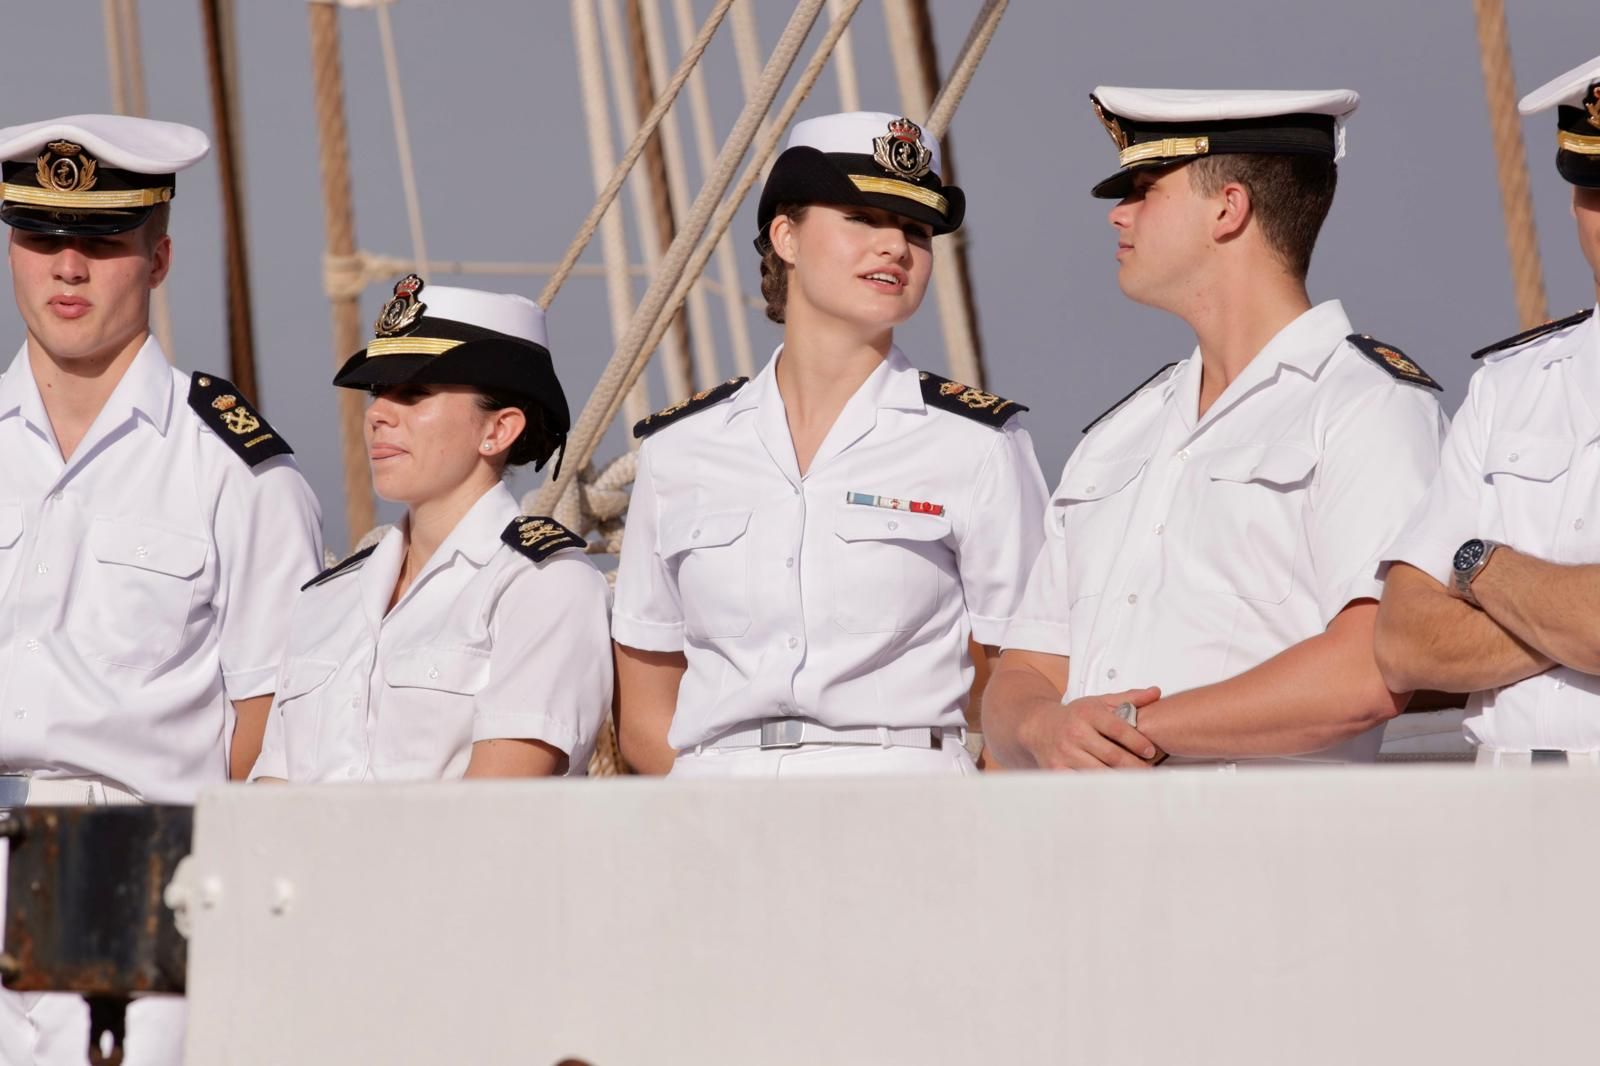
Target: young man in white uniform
(153,529)
(1209,579)
(1493,584)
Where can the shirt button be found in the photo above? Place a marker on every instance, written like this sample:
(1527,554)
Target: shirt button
(1577,524)
(1513,457)
(1088,488)
(1111,674)
(433,672)
(789,561)
(20,714)
(1183,456)
(55,497)
(41,569)
(894,525)
(1560,683)
(32,645)
(1160,528)
(695,535)
(794,642)
(1133,597)
(141,551)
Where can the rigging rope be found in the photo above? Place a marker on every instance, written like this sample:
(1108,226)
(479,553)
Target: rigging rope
(402,135)
(844,66)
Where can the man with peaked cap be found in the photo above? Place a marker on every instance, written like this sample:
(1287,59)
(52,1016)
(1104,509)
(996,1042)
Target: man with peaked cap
(470,641)
(1492,585)
(1209,579)
(153,527)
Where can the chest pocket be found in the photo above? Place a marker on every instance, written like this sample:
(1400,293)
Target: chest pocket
(889,570)
(1248,529)
(427,726)
(298,704)
(710,553)
(1090,512)
(135,593)
(1528,476)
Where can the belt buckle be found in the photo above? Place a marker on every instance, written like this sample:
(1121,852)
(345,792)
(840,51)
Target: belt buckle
(782,733)
(14,790)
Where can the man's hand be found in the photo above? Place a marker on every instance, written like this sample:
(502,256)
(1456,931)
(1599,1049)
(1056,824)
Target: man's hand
(1086,734)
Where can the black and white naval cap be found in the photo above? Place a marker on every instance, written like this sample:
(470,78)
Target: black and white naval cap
(1160,127)
(441,335)
(92,175)
(865,158)
(1576,97)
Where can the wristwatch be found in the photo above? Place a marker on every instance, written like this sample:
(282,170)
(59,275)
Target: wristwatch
(1470,559)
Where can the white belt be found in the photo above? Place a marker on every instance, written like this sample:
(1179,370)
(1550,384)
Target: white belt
(1496,759)
(20,789)
(793,732)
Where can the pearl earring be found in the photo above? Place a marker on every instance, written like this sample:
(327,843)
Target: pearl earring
(486,446)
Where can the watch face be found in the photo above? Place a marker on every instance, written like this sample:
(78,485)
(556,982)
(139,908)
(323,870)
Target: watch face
(1470,555)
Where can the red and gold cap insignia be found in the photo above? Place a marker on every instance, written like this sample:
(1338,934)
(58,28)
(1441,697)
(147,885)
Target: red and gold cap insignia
(901,151)
(403,308)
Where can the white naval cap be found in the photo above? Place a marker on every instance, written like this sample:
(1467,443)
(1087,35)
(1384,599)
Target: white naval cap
(92,174)
(1576,97)
(1158,127)
(854,132)
(503,312)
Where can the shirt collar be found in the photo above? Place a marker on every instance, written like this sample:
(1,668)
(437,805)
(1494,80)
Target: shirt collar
(145,388)
(1307,343)
(1585,340)
(895,384)
(476,537)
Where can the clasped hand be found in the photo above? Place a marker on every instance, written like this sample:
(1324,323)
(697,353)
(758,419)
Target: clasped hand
(1087,734)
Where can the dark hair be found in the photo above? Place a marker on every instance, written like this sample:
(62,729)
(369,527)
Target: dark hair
(535,444)
(774,271)
(155,226)
(1290,194)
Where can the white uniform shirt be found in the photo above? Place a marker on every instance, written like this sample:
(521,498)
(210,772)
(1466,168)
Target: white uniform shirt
(785,599)
(1181,552)
(146,583)
(1522,466)
(486,644)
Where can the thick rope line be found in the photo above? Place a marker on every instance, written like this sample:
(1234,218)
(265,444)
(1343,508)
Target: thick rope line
(677,186)
(844,66)
(765,150)
(1511,164)
(338,222)
(402,134)
(733,299)
(646,128)
(972,49)
(628,360)
(613,241)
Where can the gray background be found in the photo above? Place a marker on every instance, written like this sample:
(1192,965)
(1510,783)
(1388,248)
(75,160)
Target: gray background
(1414,247)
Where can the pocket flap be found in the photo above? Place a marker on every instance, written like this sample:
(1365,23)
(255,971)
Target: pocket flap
(1527,456)
(880,523)
(463,670)
(147,547)
(1281,463)
(10,524)
(302,675)
(1095,479)
(703,531)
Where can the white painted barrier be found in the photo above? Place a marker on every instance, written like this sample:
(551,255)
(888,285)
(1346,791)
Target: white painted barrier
(1284,917)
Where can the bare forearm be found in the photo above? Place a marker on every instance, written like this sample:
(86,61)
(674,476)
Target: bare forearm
(1310,696)
(514,758)
(647,698)
(1429,639)
(249,726)
(1547,606)
(1015,694)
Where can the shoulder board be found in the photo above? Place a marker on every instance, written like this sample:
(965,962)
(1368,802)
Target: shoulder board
(539,538)
(343,566)
(965,400)
(1137,389)
(1535,333)
(683,408)
(231,417)
(1393,361)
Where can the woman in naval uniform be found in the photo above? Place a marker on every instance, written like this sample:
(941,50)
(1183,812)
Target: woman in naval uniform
(811,554)
(470,641)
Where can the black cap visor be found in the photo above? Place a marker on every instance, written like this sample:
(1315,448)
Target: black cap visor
(1302,134)
(64,222)
(804,175)
(1579,168)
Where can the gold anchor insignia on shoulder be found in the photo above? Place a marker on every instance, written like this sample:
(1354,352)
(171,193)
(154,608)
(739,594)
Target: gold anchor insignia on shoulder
(238,419)
(535,531)
(65,167)
(403,308)
(1593,106)
(1113,126)
(1398,361)
(901,151)
(976,399)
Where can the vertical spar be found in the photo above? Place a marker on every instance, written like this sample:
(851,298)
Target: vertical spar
(338,213)
(1511,163)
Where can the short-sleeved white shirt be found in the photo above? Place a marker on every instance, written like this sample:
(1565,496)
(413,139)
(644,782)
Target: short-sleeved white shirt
(1522,466)
(146,583)
(486,644)
(1182,551)
(788,601)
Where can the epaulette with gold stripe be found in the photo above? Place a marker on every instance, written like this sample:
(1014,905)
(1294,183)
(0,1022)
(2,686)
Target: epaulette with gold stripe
(539,538)
(343,566)
(230,416)
(967,401)
(1519,339)
(1137,389)
(683,408)
(1392,361)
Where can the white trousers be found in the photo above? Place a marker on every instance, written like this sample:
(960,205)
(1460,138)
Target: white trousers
(824,760)
(52,1028)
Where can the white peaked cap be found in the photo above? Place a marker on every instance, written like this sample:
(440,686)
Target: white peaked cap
(503,312)
(851,132)
(141,145)
(1571,89)
(1222,105)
